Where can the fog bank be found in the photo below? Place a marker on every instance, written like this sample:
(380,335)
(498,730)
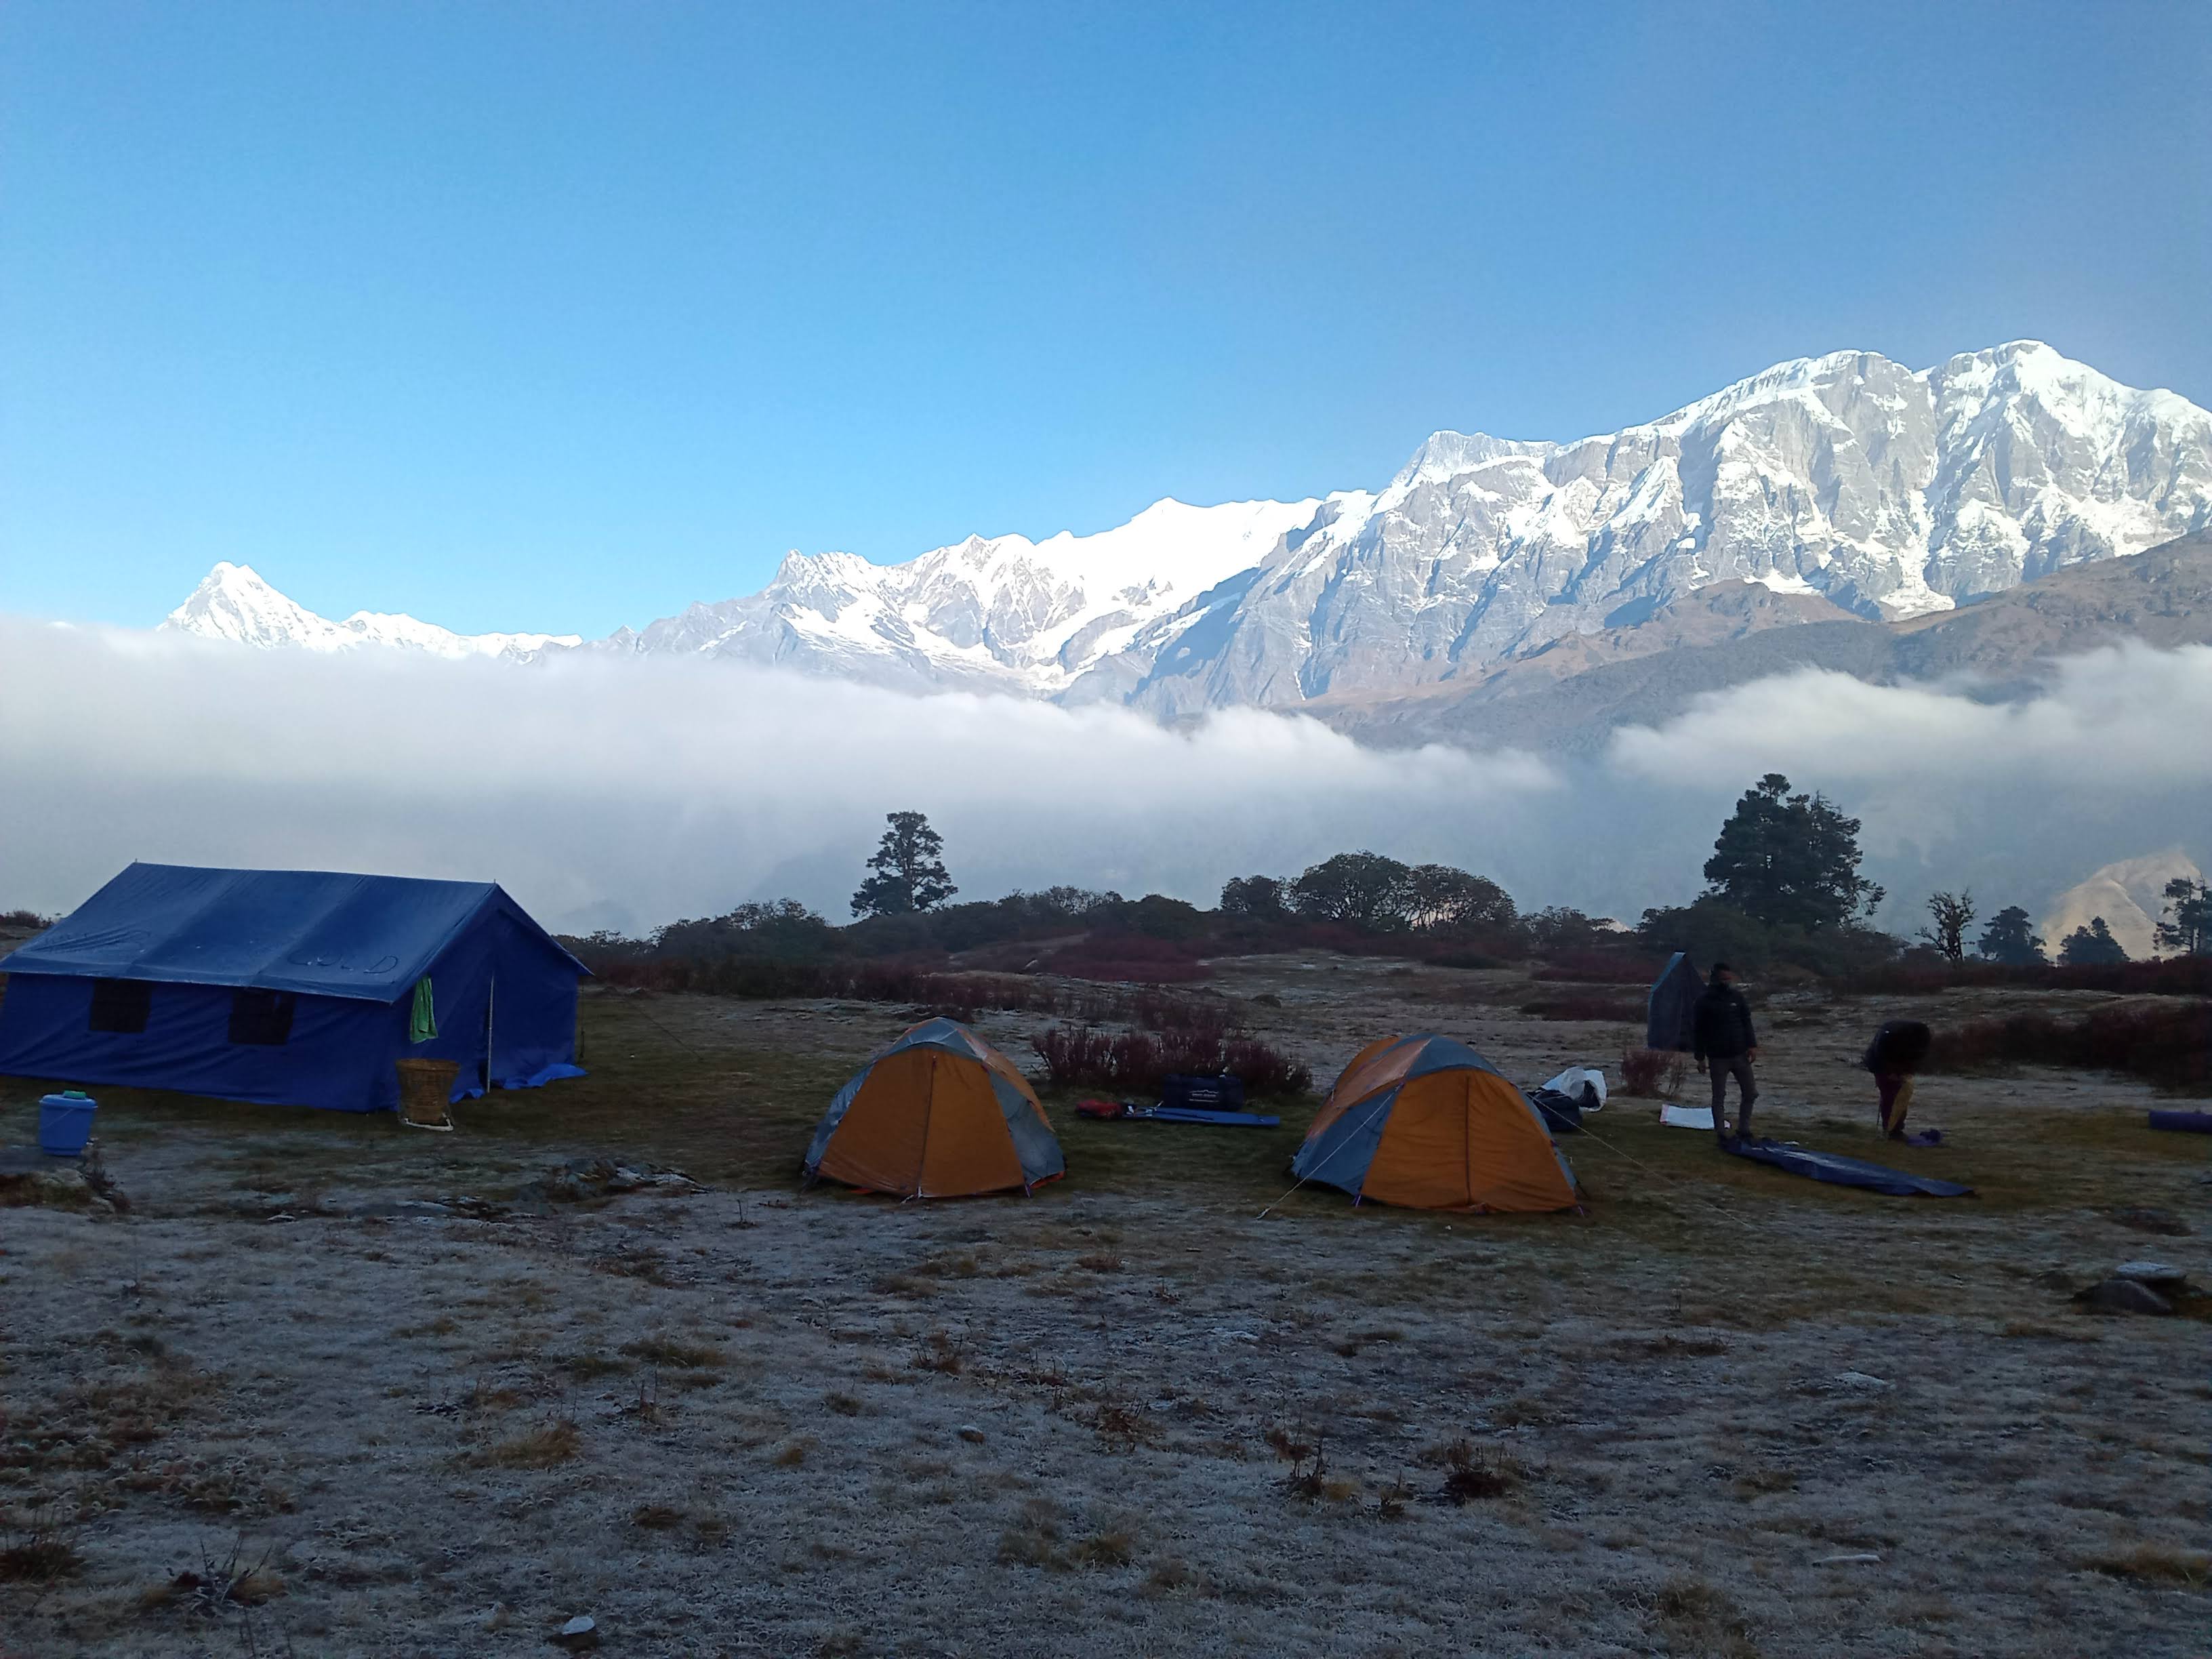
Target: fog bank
(625,794)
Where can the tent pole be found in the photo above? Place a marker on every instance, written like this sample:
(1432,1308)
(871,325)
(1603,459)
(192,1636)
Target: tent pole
(491,991)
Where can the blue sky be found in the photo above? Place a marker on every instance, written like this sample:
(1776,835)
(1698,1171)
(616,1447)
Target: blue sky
(558,316)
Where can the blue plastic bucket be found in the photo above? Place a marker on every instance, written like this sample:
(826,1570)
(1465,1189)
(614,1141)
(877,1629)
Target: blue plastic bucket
(65,1123)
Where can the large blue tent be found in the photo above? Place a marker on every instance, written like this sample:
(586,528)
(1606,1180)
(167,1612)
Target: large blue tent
(290,987)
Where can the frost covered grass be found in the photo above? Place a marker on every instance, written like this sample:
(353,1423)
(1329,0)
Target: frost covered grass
(1125,1409)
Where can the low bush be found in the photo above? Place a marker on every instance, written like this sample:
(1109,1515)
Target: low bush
(2169,1046)
(1599,967)
(1136,1061)
(1649,1073)
(1136,958)
(2172,976)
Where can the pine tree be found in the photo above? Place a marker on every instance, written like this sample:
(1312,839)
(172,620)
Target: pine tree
(2186,926)
(1790,860)
(2010,939)
(2091,947)
(910,866)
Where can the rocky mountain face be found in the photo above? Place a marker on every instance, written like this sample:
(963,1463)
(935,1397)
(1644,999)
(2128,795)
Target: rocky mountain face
(1848,478)
(1572,695)
(1843,487)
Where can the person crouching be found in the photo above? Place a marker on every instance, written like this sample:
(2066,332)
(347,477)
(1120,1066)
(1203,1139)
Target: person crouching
(1894,1055)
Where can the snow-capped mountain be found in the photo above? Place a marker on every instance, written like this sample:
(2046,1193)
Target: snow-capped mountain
(999,612)
(1887,491)
(233,603)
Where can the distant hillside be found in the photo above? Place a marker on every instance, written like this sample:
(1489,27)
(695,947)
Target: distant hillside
(1569,696)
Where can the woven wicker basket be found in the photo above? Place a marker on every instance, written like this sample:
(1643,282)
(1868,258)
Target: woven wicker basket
(426,1086)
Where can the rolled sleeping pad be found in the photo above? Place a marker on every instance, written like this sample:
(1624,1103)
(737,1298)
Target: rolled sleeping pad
(1221,1120)
(2198,1123)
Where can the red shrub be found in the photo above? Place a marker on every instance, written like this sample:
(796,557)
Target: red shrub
(2171,1046)
(1129,956)
(1652,1072)
(1137,1060)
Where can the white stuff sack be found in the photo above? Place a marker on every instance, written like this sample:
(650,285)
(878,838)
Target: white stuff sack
(1570,1083)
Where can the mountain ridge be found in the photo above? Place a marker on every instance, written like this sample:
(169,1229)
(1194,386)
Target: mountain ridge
(1877,491)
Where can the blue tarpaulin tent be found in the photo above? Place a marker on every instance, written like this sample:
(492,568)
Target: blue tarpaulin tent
(290,987)
(1671,1012)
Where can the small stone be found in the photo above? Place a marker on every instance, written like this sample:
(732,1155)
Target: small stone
(2123,1295)
(580,1632)
(1858,1383)
(2158,1275)
(970,1433)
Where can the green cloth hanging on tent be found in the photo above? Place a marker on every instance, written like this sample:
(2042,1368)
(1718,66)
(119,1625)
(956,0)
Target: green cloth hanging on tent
(423,1023)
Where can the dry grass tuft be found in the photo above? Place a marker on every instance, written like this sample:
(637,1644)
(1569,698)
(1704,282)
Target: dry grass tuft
(1033,1539)
(1168,1574)
(2155,1563)
(790,1455)
(589,1367)
(1474,1473)
(668,1351)
(656,1517)
(1700,1618)
(939,1351)
(1037,1539)
(40,1552)
(1122,1426)
(1100,1262)
(1760,1482)
(845,1405)
(1110,1548)
(1390,1505)
(544,1447)
(1313,1481)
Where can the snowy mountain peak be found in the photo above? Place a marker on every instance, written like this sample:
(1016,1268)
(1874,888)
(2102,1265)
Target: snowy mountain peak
(233,602)
(1886,490)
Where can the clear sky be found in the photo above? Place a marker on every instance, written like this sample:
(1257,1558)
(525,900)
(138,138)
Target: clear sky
(559,316)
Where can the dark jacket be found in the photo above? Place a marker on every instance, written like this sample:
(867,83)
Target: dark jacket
(1898,1048)
(1722,1028)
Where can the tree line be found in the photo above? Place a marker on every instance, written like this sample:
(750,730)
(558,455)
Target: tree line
(1783,883)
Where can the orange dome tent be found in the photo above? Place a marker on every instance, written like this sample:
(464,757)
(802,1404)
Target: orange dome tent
(1427,1122)
(940,1113)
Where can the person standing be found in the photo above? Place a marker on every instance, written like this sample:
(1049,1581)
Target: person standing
(1724,1044)
(1896,1053)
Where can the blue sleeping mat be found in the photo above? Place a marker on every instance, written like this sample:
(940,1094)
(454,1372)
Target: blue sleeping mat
(1225,1120)
(1841,1172)
(2199,1123)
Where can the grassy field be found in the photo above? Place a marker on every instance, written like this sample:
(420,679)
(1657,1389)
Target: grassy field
(1125,1414)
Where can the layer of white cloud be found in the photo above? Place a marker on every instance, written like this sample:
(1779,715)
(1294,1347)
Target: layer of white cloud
(628,793)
